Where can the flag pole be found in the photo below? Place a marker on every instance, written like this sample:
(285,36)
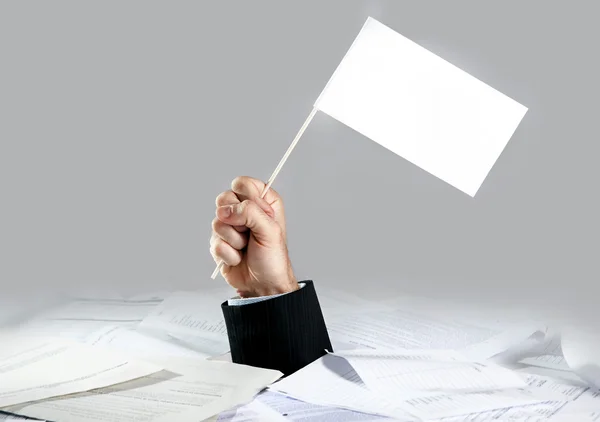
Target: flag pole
(277,170)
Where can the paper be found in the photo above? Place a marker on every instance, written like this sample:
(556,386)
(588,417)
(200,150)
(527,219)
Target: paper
(579,398)
(5,417)
(550,356)
(420,107)
(76,330)
(580,345)
(254,411)
(270,406)
(193,319)
(444,406)
(37,368)
(562,376)
(191,390)
(397,329)
(407,373)
(579,417)
(138,345)
(331,381)
(529,413)
(116,310)
(562,402)
(338,302)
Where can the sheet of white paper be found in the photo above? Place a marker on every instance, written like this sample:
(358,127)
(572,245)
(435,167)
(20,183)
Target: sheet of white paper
(39,368)
(193,319)
(580,398)
(274,407)
(188,313)
(445,406)
(254,411)
(550,356)
(529,413)
(5,417)
(562,376)
(420,107)
(580,345)
(76,330)
(565,402)
(192,391)
(225,357)
(579,417)
(132,343)
(339,302)
(116,310)
(331,381)
(398,329)
(403,373)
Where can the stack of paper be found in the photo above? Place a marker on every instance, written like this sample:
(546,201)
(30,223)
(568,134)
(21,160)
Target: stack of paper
(187,390)
(391,329)
(91,360)
(37,368)
(411,385)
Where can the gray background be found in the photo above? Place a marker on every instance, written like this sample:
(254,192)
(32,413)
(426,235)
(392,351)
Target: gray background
(121,121)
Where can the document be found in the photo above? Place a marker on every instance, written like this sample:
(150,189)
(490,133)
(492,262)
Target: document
(579,417)
(335,301)
(76,330)
(254,411)
(6,417)
(116,310)
(579,397)
(269,406)
(444,406)
(193,319)
(403,373)
(132,343)
(529,413)
(398,329)
(188,390)
(550,356)
(562,402)
(37,368)
(330,381)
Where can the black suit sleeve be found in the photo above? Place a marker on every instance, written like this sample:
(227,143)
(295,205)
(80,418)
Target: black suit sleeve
(285,333)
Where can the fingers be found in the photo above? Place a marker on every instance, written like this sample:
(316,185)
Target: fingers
(227,198)
(230,198)
(249,188)
(251,214)
(229,234)
(222,251)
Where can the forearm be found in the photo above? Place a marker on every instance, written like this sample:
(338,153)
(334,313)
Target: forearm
(284,332)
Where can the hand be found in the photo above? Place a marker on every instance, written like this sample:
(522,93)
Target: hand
(249,237)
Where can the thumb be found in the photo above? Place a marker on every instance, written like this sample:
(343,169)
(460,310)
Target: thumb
(249,214)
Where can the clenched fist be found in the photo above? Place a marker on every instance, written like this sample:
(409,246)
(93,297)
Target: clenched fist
(249,237)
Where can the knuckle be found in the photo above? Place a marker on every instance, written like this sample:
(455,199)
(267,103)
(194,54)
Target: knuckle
(213,249)
(239,183)
(215,224)
(246,205)
(223,198)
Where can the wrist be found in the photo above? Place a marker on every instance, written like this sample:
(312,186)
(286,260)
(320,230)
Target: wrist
(281,285)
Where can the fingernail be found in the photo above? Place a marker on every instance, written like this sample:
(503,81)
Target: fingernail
(225,211)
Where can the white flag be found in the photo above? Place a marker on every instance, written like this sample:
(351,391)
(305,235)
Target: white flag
(421,107)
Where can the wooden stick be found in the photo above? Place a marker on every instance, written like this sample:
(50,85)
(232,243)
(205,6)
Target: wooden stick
(276,172)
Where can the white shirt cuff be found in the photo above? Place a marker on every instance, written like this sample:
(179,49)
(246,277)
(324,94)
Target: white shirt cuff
(239,301)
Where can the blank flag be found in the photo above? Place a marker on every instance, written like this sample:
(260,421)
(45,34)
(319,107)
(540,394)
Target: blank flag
(421,107)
